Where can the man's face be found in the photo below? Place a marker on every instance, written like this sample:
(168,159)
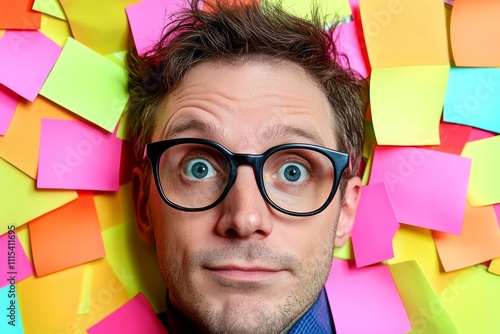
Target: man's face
(243,266)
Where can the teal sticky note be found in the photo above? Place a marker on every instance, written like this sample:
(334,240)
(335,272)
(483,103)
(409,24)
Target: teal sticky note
(11,323)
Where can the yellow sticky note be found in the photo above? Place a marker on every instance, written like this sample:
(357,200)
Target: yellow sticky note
(88,84)
(21,202)
(345,252)
(331,9)
(101,25)
(495,266)
(404,32)
(56,29)
(50,7)
(472,300)
(407,103)
(425,310)
(134,263)
(115,208)
(484,183)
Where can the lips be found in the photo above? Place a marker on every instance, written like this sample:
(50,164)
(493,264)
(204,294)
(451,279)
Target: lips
(243,273)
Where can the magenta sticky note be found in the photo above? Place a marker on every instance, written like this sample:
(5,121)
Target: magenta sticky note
(26,58)
(136,316)
(15,266)
(365,300)
(77,155)
(146,32)
(374,227)
(496,207)
(427,188)
(349,41)
(8,104)
(478,134)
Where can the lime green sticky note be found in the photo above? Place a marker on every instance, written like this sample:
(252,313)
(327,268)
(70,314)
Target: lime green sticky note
(134,263)
(50,7)
(472,300)
(21,202)
(484,183)
(406,104)
(425,310)
(345,252)
(86,289)
(331,9)
(88,84)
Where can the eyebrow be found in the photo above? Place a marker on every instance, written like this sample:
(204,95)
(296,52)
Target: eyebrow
(180,127)
(280,130)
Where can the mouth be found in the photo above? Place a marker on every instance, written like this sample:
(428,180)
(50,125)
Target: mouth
(243,274)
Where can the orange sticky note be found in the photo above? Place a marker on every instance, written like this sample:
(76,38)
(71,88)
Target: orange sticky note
(478,242)
(473,28)
(66,237)
(19,15)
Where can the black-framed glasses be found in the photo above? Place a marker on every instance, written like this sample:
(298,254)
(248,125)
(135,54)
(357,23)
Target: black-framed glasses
(194,174)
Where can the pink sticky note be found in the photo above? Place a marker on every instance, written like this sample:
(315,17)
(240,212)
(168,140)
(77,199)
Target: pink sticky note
(158,13)
(8,104)
(26,58)
(374,227)
(76,155)
(136,316)
(478,134)
(349,40)
(496,207)
(16,266)
(365,300)
(427,188)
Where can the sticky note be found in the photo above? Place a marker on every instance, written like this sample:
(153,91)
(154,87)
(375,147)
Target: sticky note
(26,58)
(355,297)
(404,32)
(115,208)
(8,104)
(96,89)
(495,266)
(104,30)
(50,7)
(471,25)
(478,242)
(24,133)
(472,98)
(452,138)
(12,321)
(426,310)
(407,103)
(21,202)
(374,227)
(76,155)
(333,10)
(471,300)
(349,41)
(427,188)
(477,134)
(56,29)
(484,186)
(136,316)
(72,230)
(16,266)
(19,15)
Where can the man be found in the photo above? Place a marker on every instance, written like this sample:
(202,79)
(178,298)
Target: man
(243,113)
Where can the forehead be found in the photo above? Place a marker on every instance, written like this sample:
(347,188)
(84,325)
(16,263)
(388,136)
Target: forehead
(254,101)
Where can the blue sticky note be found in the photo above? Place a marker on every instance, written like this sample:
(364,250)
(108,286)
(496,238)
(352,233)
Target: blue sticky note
(11,323)
(473,98)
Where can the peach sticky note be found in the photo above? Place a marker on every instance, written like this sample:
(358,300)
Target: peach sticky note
(76,155)
(8,103)
(478,242)
(427,188)
(26,58)
(374,227)
(471,27)
(484,187)
(19,15)
(365,300)
(349,41)
(16,265)
(66,237)
(136,316)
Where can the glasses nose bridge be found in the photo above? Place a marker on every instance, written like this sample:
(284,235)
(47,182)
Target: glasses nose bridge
(253,160)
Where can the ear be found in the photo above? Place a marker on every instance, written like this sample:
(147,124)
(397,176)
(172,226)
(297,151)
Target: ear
(348,209)
(140,198)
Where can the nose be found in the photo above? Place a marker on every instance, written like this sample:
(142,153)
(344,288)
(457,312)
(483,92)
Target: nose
(245,213)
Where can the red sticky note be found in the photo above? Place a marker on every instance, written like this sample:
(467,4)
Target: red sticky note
(18,14)
(374,227)
(136,316)
(427,188)
(452,138)
(66,237)
(26,59)
(16,264)
(365,300)
(77,155)
(8,104)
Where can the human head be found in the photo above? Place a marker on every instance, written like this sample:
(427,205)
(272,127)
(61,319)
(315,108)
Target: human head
(221,67)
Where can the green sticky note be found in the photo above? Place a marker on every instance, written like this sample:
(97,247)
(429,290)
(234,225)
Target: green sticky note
(50,7)
(345,252)
(21,202)
(331,9)
(407,103)
(484,183)
(425,310)
(88,84)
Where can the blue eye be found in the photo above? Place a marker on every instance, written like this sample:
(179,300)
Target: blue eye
(199,169)
(292,172)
